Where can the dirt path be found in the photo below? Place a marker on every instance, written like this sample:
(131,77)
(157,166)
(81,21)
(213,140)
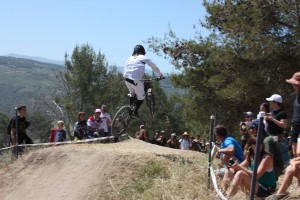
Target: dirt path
(76,171)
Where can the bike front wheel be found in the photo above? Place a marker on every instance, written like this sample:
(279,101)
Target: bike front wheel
(121,121)
(151,104)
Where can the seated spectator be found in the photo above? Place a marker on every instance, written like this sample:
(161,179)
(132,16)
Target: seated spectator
(292,170)
(185,142)
(142,134)
(80,127)
(266,178)
(230,148)
(60,134)
(173,142)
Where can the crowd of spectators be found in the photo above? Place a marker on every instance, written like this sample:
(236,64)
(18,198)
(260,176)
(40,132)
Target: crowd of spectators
(164,138)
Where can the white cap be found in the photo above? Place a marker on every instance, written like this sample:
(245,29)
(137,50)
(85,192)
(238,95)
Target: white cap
(249,113)
(275,97)
(98,110)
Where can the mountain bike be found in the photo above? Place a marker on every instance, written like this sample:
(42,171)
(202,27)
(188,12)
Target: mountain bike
(124,115)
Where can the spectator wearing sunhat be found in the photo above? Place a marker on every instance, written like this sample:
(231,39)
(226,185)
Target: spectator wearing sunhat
(185,143)
(295,81)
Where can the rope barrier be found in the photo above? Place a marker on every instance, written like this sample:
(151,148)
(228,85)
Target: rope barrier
(213,176)
(58,143)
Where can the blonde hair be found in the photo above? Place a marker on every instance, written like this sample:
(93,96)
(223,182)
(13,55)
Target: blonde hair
(60,122)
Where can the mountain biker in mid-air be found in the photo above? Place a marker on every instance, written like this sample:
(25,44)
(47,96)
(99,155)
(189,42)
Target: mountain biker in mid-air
(133,73)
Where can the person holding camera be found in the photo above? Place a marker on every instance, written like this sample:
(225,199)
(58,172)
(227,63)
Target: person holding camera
(142,134)
(173,142)
(266,178)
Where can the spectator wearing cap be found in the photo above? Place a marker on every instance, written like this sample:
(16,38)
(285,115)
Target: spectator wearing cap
(265,182)
(248,117)
(185,142)
(142,134)
(295,140)
(173,142)
(94,123)
(277,122)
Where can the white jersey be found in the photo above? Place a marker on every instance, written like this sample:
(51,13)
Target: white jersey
(105,117)
(135,67)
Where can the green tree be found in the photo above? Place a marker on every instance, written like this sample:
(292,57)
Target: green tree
(4,120)
(253,47)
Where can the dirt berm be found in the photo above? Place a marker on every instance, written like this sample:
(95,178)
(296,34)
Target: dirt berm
(95,171)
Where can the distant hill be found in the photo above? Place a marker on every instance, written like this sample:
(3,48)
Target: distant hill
(23,80)
(40,59)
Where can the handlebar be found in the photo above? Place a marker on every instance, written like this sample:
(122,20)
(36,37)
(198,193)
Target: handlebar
(153,78)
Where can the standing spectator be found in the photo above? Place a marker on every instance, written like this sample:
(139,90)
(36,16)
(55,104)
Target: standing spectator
(61,134)
(133,73)
(295,81)
(142,134)
(264,107)
(106,120)
(248,117)
(173,142)
(277,122)
(94,123)
(185,142)
(80,127)
(22,126)
(161,139)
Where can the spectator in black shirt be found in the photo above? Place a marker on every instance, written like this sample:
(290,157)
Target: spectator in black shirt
(277,122)
(22,126)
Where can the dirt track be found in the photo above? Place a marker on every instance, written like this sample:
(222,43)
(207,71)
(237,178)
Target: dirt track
(85,171)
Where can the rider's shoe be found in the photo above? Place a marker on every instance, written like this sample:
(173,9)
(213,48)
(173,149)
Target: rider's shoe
(135,115)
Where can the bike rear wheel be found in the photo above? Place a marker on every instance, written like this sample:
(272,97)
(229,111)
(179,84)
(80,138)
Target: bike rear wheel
(121,121)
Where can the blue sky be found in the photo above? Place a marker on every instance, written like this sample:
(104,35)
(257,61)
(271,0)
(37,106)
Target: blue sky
(51,28)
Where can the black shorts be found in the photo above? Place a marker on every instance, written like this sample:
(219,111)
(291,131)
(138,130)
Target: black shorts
(294,136)
(264,191)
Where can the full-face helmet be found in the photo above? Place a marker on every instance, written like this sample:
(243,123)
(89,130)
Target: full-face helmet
(138,49)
